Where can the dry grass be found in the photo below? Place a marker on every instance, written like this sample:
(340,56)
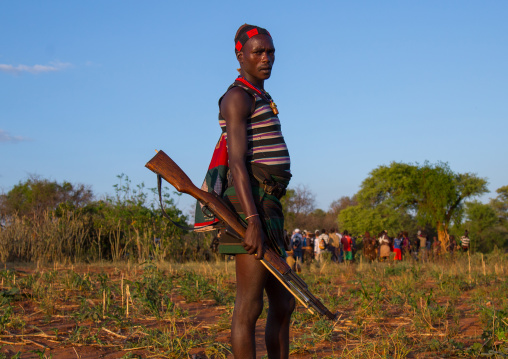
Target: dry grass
(454,307)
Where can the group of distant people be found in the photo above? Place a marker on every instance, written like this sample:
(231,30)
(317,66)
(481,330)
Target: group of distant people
(306,246)
(420,248)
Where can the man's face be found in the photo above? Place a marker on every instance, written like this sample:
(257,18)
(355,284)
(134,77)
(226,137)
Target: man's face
(257,57)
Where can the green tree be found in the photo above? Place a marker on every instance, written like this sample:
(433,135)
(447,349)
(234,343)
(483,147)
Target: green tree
(481,223)
(500,205)
(36,195)
(374,219)
(488,223)
(430,193)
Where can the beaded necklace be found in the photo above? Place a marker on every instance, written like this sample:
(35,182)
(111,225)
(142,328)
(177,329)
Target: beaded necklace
(265,95)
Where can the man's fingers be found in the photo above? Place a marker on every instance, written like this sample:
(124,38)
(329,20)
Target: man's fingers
(257,252)
(260,253)
(250,249)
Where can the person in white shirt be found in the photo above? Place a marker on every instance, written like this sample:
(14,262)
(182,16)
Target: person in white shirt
(322,243)
(384,246)
(317,249)
(464,241)
(297,244)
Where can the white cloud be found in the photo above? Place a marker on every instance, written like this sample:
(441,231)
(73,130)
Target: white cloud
(6,137)
(35,69)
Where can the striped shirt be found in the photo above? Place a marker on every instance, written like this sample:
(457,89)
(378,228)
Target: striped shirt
(266,144)
(464,241)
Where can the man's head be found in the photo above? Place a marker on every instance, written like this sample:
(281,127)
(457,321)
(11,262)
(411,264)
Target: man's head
(246,32)
(255,52)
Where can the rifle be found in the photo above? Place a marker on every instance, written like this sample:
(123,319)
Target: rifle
(165,167)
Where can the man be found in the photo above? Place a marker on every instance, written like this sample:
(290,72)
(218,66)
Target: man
(297,245)
(464,241)
(347,245)
(384,246)
(323,241)
(334,244)
(319,245)
(397,247)
(369,247)
(306,249)
(340,252)
(422,237)
(311,247)
(259,171)
(428,248)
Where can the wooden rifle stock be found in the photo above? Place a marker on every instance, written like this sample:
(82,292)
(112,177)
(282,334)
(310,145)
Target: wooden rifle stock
(164,166)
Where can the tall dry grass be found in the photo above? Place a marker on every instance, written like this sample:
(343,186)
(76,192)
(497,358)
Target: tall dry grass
(45,238)
(76,237)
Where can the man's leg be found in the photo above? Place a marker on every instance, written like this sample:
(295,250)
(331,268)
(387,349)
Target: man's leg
(251,277)
(281,305)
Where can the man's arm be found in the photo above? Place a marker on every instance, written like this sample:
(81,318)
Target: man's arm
(236,107)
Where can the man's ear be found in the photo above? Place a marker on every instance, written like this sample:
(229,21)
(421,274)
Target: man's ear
(239,57)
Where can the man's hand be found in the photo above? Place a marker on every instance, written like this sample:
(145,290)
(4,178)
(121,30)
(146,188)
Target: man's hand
(254,238)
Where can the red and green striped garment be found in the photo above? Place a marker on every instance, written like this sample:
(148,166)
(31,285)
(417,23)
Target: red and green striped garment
(266,147)
(270,211)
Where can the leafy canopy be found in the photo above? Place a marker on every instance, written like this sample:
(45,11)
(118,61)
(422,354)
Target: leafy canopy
(391,196)
(37,195)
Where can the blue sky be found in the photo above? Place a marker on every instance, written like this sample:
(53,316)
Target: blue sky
(88,90)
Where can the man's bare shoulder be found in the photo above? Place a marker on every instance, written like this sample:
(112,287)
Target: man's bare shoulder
(236,101)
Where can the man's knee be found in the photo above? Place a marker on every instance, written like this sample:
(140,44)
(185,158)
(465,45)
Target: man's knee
(248,309)
(282,307)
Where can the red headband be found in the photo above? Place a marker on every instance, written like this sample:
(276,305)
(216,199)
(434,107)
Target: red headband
(246,33)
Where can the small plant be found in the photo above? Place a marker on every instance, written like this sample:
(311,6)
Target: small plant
(496,328)
(218,350)
(5,317)
(302,345)
(322,330)
(42,354)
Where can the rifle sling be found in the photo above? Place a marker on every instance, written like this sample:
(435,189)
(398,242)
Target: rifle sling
(185,228)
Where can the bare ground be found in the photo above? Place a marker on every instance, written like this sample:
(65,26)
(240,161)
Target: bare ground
(42,329)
